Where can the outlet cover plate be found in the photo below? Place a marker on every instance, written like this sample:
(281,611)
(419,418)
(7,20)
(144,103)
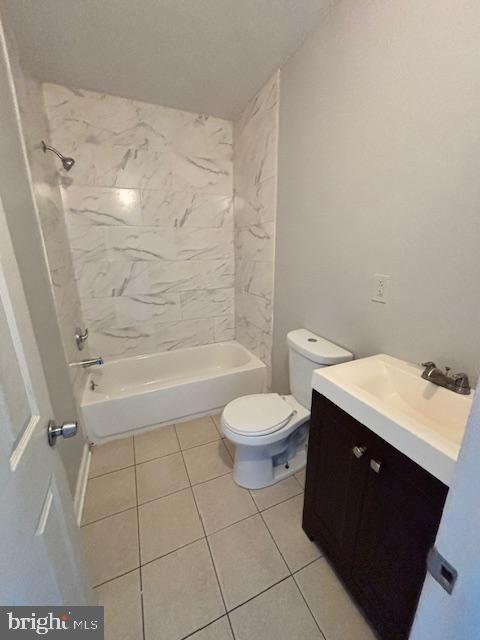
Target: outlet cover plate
(381,286)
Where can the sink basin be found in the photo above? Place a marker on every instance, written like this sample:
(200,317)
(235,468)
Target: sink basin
(387,395)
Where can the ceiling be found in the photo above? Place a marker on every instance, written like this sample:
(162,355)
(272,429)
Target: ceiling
(207,56)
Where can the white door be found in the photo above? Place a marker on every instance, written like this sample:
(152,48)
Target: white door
(456,616)
(40,562)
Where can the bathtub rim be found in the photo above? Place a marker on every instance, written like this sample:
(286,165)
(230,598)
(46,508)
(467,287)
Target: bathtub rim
(254,362)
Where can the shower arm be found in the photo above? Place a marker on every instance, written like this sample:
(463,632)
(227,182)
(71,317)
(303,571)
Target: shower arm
(47,147)
(67,162)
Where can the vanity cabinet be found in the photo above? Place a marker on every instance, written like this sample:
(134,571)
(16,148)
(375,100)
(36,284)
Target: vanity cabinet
(375,514)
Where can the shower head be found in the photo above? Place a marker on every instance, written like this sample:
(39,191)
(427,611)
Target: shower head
(66,161)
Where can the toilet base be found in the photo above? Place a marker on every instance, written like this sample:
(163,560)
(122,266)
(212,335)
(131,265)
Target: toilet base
(253,469)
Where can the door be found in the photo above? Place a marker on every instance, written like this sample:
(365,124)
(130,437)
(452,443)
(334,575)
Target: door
(39,551)
(456,615)
(336,471)
(402,506)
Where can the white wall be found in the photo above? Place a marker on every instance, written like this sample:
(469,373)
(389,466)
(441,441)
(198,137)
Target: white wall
(379,164)
(148,207)
(255,182)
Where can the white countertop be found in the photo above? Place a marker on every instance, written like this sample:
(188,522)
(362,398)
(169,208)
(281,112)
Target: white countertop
(422,420)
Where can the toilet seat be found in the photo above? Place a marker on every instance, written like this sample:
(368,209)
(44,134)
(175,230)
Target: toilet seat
(258,414)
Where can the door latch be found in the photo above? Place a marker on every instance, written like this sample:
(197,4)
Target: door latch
(66,430)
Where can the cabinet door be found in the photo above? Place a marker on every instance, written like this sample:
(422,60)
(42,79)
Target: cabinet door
(335,480)
(402,506)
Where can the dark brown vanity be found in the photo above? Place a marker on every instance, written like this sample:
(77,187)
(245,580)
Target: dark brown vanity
(374,513)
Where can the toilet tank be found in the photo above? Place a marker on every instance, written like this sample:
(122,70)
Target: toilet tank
(307,352)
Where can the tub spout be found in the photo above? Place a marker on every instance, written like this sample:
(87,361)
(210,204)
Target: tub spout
(87,363)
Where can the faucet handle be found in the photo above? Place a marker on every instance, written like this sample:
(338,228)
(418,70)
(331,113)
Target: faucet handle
(462,382)
(430,365)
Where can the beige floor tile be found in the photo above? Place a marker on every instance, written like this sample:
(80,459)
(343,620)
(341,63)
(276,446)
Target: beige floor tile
(230,447)
(111,457)
(167,524)
(122,607)
(300,476)
(221,502)
(219,630)
(207,462)
(160,477)
(195,432)
(278,492)
(246,559)
(285,524)
(109,494)
(335,612)
(111,546)
(278,614)
(155,444)
(180,593)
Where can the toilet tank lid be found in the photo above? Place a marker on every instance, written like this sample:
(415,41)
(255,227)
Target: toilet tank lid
(317,349)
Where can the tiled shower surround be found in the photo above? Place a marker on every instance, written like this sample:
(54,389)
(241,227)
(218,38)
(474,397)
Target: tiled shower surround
(255,181)
(149,213)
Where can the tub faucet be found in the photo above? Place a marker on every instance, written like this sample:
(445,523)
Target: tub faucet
(457,382)
(87,363)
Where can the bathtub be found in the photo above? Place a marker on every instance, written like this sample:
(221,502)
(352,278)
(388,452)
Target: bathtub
(134,394)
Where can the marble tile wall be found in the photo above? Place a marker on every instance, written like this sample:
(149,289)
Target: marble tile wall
(255,178)
(46,190)
(149,212)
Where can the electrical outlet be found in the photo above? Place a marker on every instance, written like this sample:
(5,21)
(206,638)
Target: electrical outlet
(380,288)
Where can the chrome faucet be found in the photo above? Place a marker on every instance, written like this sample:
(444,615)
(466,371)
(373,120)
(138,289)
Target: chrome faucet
(87,363)
(457,382)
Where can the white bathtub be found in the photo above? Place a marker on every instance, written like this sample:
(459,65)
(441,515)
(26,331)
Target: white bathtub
(134,394)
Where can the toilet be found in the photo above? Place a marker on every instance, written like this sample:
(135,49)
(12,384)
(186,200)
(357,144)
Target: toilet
(270,431)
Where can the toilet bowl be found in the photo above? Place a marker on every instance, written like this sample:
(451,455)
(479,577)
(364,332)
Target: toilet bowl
(270,431)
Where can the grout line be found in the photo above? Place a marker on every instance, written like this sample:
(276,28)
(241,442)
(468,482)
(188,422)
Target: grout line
(320,557)
(275,584)
(292,574)
(166,495)
(275,543)
(120,575)
(141,504)
(110,515)
(210,553)
(224,615)
(169,553)
(308,606)
(277,503)
(198,484)
(139,542)
(180,449)
(107,473)
(222,475)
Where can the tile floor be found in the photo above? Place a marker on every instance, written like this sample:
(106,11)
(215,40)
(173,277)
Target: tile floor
(176,549)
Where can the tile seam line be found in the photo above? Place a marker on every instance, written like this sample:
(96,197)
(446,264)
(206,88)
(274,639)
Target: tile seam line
(219,586)
(138,538)
(292,576)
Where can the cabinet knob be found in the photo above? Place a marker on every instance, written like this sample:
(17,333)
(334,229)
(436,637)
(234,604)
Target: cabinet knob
(358,452)
(375,465)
